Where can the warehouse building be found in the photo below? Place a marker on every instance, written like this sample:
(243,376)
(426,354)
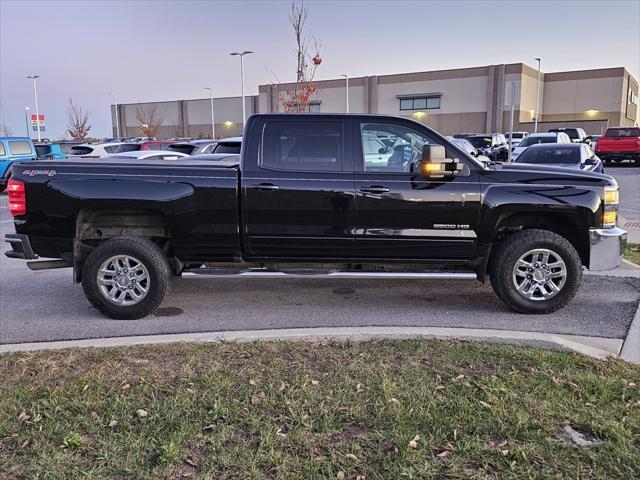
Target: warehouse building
(477,99)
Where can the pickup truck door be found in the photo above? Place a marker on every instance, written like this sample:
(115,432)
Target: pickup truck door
(298,197)
(404,215)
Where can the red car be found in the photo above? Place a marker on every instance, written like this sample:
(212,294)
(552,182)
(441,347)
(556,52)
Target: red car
(618,144)
(155,145)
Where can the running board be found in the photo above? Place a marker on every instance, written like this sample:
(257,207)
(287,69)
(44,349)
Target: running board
(206,273)
(48,264)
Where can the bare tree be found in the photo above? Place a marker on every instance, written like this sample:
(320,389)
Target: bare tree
(77,121)
(7,131)
(297,98)
(149,120)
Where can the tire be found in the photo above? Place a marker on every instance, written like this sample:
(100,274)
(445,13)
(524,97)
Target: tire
(526,246)
(133,272)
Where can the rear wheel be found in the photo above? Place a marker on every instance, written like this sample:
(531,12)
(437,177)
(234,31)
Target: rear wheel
(535,271)
(126,277)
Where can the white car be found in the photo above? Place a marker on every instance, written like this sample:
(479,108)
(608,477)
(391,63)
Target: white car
(517,138)
(536,138)
(88,150)
(148,155)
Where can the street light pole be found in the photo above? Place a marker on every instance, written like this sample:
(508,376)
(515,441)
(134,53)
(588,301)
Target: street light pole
(535,128)
(115,100)
(26,120)
(346,77)
(35,94)
(242,54)
(213,123)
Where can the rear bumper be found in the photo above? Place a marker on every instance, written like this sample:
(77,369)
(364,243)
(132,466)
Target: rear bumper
(20,246)
(607,248)
(618,155)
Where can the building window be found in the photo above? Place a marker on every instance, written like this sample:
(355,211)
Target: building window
(313,107)
(420,103)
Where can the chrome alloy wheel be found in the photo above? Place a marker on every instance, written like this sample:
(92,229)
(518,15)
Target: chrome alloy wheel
(539,274)
(123,280)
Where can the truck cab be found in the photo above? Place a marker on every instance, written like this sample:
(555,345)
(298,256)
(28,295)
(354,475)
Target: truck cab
(12,150)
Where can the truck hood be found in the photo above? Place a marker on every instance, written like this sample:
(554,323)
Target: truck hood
(546,174)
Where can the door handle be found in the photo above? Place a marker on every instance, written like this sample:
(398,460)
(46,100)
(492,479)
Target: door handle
(374,189)
(265,187)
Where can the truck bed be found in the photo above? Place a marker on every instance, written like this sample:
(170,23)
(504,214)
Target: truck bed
(197,201)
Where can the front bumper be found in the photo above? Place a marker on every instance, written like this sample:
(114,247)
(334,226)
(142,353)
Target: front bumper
(606,248)
(20,246)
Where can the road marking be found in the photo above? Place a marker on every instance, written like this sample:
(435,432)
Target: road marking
(6,221)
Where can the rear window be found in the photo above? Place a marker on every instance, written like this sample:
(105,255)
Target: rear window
(303,146)
(2,152)
(623,132)
(550,155)
(81,150)
(182,148)
(227,147)
(573,133)
(19,148)
(515,135)
(480,142)
(130,147)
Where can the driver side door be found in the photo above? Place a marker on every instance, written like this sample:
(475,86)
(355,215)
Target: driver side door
(402,214)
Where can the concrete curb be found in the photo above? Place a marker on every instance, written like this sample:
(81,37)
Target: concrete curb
(630,350)
(591,346)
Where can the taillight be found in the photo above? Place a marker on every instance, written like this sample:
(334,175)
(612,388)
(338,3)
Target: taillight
(17,198)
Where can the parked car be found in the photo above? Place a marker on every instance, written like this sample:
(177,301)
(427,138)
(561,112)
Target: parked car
(618,144)
(463,135)
(302,200)
(155,145)
(142,139)
(536,138)
(516,138)
(577,135)
(67,145)
(147,155)
(491,145)
(465,145)
(12,150)
(49,151)
(194,147)
(593,140)
(87,150)
(566,155)
(228,145)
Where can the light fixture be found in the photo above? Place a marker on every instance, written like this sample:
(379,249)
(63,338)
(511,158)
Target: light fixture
(228,123)
(419,114)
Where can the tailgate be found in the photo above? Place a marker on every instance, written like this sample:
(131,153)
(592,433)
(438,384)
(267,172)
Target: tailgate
(617,144)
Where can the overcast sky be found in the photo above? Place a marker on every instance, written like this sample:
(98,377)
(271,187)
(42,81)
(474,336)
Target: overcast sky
(168,50)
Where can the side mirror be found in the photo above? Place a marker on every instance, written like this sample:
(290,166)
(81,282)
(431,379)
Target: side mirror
(434,163)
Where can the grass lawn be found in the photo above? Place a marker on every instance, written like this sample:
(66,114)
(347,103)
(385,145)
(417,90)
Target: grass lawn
(412,409)
(632,252)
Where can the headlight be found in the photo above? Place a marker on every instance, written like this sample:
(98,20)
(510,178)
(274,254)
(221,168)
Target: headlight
(611,199)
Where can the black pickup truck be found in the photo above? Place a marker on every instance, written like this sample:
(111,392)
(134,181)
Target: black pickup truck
(316,195)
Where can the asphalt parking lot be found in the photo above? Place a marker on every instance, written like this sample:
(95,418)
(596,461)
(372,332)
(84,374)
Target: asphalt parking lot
(46,305)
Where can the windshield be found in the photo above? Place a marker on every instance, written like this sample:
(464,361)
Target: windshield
(550,155)
(623,132)
(515,135)
(534,140)
(480,142)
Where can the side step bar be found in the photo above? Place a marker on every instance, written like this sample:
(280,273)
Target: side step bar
(205,273)
(49,264)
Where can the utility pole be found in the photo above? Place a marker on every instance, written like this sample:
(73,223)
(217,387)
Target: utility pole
(35,94)
(213,123)
(535,128)
(26,120)
(242,54)
(513,104)
(115,99)
(346,77)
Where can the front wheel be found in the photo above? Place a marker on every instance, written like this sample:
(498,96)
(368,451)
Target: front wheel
(126,278)
(535,271)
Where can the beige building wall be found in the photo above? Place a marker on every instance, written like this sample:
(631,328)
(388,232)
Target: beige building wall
(474,99)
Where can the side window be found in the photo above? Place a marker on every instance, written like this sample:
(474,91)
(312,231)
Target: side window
(19,148)
(391,148)
(2,152)
(303,146)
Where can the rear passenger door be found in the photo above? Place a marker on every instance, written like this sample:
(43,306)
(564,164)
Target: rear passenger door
(298,197)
